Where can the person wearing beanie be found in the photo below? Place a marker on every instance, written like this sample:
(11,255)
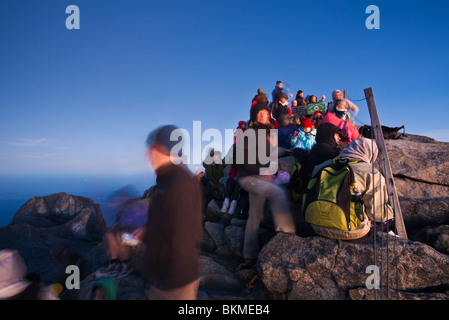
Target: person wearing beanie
(352,108)
(303,139)
(254,175)
(255,108)
(260,96)
(338,117)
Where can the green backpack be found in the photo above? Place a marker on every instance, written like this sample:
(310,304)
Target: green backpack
(332,199)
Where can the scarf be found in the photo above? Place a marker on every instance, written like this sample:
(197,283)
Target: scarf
(361,148)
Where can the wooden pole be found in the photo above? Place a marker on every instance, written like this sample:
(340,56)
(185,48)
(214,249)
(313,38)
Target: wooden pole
(345,94)
(376,130)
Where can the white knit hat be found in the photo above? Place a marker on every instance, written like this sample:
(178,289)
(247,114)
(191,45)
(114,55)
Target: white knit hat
(12,272)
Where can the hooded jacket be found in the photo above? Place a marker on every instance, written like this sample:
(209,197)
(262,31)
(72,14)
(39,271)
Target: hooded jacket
(372,185)
(326,148)
(350,132)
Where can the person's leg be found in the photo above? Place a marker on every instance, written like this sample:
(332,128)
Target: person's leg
(255,216)
(280,210)
(282,217)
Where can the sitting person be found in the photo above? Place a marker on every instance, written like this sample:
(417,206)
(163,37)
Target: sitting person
(300,98)
(339,118)
(369,190)
(255,107)
(296,121)
(303,139)
(256,179)
(316,118)
(214,166)
(299,110)
(231,192)
(326,148)
(285,133)
(279,108)
(260,96)
(200,177)
(313,99)
(352,108)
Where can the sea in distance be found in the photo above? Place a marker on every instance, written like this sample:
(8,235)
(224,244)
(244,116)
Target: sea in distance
(15,190)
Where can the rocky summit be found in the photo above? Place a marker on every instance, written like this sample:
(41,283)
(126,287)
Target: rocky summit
(288,266)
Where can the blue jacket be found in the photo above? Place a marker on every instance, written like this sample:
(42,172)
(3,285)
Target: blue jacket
(304,140)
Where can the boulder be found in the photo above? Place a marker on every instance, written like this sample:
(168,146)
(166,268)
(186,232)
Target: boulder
(422,213)
(314,268)
(214,277)
(438,237)
(420,167)
(74,215)
(45,223)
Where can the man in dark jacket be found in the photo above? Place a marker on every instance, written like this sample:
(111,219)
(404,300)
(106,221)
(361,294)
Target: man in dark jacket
(173,228)
(255,176)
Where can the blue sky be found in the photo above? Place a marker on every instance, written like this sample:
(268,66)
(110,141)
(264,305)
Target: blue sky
(79,102)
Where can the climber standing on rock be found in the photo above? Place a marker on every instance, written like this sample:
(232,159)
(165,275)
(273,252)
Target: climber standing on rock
(172,232)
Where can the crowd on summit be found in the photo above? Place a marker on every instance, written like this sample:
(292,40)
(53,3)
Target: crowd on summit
(333,191)
(317,135)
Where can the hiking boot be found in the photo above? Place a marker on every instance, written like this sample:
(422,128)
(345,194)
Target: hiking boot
(232,207)
(225,206)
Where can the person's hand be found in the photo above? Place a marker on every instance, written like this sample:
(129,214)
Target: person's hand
(323,97)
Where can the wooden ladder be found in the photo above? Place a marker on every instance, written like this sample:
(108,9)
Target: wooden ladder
(376,130)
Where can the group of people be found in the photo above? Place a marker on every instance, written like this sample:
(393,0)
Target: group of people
(168,225)
(314,136)
(173,224)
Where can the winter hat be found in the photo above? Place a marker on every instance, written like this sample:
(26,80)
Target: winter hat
(12,273)
(241,123)
(306,123)
(334,92)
